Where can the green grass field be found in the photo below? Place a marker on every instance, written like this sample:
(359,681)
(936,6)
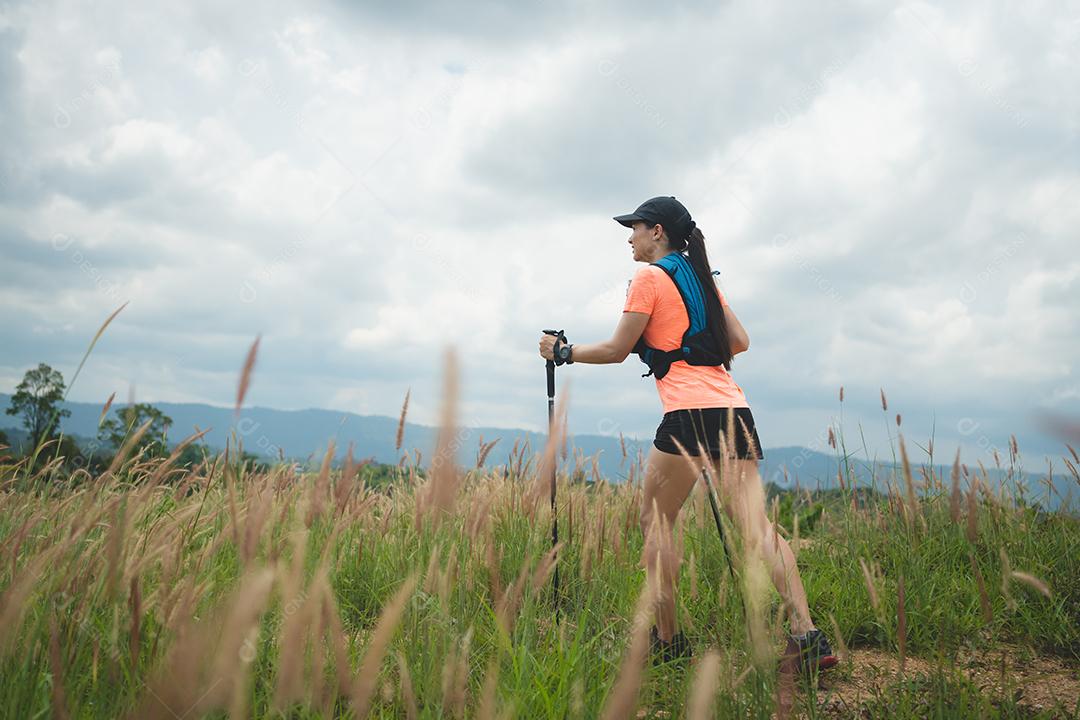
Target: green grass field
(215,591)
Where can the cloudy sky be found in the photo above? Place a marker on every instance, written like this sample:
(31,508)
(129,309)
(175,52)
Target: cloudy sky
(891,194)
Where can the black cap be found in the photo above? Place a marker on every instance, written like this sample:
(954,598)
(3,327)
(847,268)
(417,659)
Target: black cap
(664,210)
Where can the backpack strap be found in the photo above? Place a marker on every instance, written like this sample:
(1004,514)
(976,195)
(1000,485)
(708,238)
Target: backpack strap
(678,268)
(659,361)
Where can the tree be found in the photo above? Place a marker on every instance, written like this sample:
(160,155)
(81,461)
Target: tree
(36,398)
(192,455)
(378,475)
(115,431)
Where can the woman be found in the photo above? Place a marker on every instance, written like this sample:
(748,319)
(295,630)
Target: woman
(696,395)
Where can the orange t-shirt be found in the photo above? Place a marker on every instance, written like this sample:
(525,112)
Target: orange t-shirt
(684,386)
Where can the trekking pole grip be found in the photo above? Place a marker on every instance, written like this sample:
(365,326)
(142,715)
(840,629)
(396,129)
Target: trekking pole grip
(559,335)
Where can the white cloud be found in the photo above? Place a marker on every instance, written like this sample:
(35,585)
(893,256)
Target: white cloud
(209,64)
(889,194)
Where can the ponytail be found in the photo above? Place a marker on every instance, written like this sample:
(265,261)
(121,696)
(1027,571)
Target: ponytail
(699,260)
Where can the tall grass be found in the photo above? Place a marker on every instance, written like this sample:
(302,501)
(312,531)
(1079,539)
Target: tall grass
(152,592)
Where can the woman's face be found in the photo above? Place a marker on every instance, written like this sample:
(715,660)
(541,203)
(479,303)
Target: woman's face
(647,242)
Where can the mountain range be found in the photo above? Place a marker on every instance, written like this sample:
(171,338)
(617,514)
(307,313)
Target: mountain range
(303,435)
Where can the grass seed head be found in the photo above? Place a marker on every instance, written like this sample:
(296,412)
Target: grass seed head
(507,609)
(400,435)
(841,646)
(245,374)
(984,597)
(486,708)
(408,696)
(1031,581)
(1006,576)
(445,475)
(868,578)
(955,494)
(973,511)
(703,690)
(56,667)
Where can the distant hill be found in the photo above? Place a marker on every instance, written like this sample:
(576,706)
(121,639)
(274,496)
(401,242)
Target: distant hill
(304,434)
(16,436)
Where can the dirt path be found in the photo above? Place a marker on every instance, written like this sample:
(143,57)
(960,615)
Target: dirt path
(1037,683)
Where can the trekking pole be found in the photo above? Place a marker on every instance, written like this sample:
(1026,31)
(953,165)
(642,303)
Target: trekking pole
(551,425)
(716,517)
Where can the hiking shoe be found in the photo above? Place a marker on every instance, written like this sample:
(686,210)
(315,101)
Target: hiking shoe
(814,652)
(678,649)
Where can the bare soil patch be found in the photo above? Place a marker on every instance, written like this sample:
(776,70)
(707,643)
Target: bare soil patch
(1036,683)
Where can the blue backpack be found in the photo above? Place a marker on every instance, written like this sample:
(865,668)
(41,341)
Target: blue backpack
(698,344)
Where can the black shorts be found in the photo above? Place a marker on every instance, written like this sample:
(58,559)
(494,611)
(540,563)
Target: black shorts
(706,425)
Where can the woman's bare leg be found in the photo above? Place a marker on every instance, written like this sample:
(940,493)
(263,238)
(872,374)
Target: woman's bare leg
(744,501)
(668,481)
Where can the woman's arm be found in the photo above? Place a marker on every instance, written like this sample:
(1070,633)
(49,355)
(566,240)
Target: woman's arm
(739,340)
(626,335)
(615,350)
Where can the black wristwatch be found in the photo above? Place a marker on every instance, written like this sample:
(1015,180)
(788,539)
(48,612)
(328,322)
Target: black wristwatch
(565,354)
